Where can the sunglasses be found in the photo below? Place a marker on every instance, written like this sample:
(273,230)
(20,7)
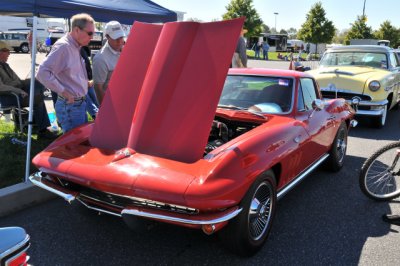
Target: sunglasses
(5,50)
(90,33)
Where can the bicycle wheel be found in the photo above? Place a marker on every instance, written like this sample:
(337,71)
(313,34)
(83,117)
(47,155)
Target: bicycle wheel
(380,174)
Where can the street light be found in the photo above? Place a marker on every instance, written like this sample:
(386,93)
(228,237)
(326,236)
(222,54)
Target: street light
(364,9)
(276,14)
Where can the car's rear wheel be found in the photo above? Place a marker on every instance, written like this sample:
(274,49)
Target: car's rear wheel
(24,48)
(246,234)
(380,121)
(338,150)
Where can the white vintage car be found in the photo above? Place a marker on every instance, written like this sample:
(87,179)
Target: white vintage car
(367,73)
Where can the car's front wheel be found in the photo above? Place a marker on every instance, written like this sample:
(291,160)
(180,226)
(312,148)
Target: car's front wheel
(24,48)
(246,234)
(380,121)
(338,150)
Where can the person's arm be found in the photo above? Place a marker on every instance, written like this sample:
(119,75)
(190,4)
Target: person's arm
(47,74)
(100,91)
(7,88)
(100,73)
(53,64)
(12,86)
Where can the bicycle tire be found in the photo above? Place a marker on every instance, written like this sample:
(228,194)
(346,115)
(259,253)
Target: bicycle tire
(377,180)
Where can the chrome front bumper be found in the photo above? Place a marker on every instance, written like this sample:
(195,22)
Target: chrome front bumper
(224,216)
(379,106)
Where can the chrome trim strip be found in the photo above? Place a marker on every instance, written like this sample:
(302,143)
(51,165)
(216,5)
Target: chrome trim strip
(181,220)
(146,202)
(16,247)
(36,179)
(98,209)
(19,254)
(370,103)
(297,180)
(370,112)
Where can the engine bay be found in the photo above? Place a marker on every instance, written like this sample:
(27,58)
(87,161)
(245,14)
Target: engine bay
(224,130)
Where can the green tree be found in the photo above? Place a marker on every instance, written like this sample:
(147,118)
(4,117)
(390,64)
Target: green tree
(282,31)
(388,32)
(245,8)
(359,30)
(340,36)
(292,33)
(265,28)
(317,28)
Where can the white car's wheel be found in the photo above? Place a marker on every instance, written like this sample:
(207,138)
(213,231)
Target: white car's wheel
(24,48)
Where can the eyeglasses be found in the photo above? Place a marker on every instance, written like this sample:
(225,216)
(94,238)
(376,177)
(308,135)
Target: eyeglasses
(90,33)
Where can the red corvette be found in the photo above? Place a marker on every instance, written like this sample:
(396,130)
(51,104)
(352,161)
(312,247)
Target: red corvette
(161,161)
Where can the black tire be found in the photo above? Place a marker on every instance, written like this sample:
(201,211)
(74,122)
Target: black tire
(246,234)
(24,48)
(337,152)
(380,121)
(379,177)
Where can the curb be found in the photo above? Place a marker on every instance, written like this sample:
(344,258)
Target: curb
(21,196)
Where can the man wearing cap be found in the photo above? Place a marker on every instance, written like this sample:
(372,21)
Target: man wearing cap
(64,72)
(11,83)
(106,59)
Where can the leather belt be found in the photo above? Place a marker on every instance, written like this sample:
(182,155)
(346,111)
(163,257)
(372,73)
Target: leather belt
(77,99)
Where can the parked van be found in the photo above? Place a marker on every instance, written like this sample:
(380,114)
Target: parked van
(41,33)
(21,24)
(17,40)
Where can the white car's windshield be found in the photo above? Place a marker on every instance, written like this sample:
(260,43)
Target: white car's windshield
(377,60)
(262,94)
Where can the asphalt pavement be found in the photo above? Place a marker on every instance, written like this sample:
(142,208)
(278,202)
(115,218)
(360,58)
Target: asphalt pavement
(326,220)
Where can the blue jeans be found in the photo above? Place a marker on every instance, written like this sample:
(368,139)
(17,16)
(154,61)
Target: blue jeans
(265,54)
(92,105)
(70,115)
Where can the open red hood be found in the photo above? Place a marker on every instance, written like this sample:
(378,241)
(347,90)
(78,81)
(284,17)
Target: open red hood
(165,89)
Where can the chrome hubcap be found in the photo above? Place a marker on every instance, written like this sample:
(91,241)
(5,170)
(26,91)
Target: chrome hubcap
(260,210)
(341,146)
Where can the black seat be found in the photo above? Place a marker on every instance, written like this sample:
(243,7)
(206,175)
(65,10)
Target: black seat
(278,94)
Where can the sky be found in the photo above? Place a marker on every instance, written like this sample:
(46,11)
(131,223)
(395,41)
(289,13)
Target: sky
(292,13)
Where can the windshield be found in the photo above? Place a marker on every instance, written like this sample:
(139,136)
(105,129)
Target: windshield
(262,94)
(378,60)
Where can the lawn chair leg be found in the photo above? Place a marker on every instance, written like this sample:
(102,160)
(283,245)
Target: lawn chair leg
(19,115)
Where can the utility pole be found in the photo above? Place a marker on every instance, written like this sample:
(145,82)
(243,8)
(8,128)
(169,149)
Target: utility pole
(364,9)
(276,14)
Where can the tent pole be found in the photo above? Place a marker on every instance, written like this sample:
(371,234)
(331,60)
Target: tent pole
(31,99)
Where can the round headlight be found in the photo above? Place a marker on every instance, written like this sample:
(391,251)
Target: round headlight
(374,85)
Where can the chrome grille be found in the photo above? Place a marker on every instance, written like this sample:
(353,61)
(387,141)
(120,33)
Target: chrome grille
(344,95)
(122,201)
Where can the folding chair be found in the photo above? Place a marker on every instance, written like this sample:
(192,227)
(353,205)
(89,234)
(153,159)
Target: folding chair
(16,111)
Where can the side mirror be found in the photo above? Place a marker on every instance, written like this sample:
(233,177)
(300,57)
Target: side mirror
(318,104)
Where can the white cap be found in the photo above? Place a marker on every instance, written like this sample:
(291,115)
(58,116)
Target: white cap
(114,30)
